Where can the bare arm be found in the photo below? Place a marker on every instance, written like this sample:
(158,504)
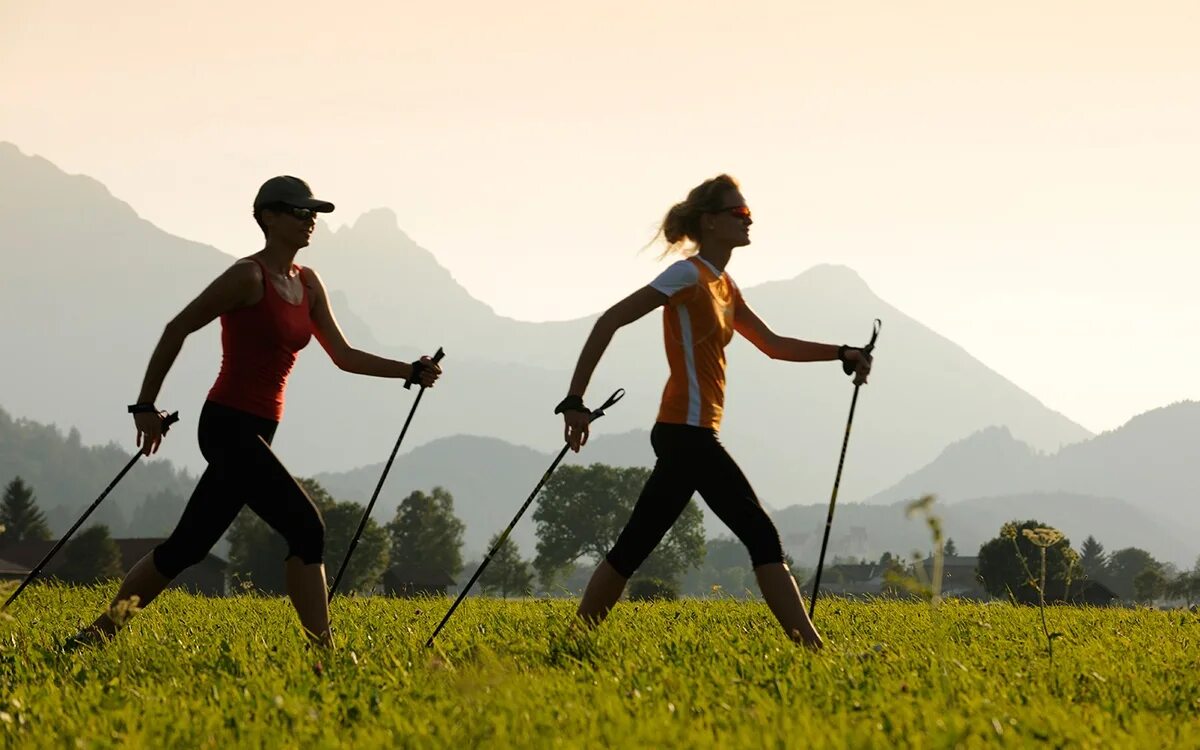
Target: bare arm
(757,332)
(239,285)
(632,308)
(345,356)
(628,310)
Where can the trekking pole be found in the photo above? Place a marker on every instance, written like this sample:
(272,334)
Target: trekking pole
(617,396)
(387,467)
(167,421)
(870,347)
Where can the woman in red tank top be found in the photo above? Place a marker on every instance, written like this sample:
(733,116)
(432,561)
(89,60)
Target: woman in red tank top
(269,309)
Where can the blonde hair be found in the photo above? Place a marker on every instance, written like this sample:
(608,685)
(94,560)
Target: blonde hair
(682,222)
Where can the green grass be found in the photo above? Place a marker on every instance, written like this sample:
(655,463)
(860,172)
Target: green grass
(196,672)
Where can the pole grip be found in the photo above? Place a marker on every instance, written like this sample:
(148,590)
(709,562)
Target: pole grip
(408,382)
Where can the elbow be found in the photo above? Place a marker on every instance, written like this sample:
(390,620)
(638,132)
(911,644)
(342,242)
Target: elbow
(346,361)
(607,324)
(175,330)
(773,348)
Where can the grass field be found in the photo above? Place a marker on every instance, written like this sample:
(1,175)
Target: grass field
(196,672)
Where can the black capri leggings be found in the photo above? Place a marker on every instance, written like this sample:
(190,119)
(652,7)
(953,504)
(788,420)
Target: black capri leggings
(692,459)
(242,470)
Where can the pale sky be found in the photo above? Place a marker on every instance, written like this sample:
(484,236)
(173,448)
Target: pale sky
(1022,177)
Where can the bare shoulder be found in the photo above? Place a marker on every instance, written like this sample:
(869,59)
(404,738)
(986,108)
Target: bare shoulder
(245,269)
(242,281)
(312,280)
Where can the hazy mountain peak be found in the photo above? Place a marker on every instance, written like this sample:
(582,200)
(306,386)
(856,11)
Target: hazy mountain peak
(1181,415)
(989,437)
(380,223)
(835,277)
(31,180)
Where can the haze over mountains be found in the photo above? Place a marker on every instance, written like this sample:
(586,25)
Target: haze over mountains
(89,285)
(1129,487)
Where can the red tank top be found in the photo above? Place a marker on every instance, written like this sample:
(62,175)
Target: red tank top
(258,348)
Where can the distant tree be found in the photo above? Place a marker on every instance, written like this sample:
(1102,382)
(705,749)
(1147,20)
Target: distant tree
(582,510)
(158,514)
(1001,570)
(371,556)
(950,549)
(426,535)
(507,573)
(1149,584)
(726,570)
(1124,566)
(91,557)
(20,516)
(1184,586)
(257,552)
(1093,560)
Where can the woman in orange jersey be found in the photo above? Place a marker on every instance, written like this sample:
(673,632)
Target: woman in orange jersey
(270,308)
(703,308)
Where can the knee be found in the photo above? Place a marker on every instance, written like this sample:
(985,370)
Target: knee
(623,562)
(763,543)
(307,541)
(172,557)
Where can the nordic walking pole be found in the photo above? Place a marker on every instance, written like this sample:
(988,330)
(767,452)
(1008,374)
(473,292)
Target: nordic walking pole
(870,347)
(387,467)
(167,421)
(617,396)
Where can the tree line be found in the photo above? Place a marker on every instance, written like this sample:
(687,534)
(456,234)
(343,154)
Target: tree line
(580,513)
(578,517)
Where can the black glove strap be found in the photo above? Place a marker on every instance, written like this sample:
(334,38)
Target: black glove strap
(418,367)
(143,409)
(571,403)
(847,367)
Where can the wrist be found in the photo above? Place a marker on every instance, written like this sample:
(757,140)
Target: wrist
(572,402)
(142,407)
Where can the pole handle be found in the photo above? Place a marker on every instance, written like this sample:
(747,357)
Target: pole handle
(412,376)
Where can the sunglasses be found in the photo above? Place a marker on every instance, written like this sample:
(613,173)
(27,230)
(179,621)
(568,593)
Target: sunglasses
(303,214)
(740,212)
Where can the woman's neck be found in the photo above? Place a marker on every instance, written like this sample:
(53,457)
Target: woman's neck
(279,258)
(717,256)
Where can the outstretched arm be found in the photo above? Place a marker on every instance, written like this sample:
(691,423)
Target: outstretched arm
(623,313)
(757,332)
(346,357)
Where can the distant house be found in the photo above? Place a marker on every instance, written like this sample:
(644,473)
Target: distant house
(208,577)
(416,581)
(860,579)
(10,571)
(1092,593)
(959,578)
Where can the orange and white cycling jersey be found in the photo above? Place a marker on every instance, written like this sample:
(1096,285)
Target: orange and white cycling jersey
(697,325)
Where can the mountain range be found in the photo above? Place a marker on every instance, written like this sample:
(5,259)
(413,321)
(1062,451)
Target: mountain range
(88,285)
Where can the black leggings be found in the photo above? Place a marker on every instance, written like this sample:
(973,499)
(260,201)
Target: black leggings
(242,470)
(692,459)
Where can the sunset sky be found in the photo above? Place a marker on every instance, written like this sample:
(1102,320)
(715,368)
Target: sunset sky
(1022,177)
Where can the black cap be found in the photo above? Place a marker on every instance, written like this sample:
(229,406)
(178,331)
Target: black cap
(290,191)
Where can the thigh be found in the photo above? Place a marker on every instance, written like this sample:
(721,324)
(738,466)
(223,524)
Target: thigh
(728,493)
(208,513)
(273,494)
(663,497)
